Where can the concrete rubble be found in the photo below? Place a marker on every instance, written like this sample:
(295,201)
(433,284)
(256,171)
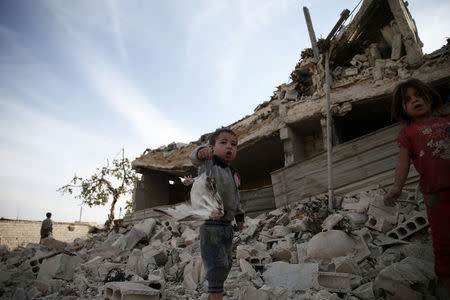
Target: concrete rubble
(301,251)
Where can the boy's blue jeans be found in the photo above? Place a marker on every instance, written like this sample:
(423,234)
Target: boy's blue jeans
(216,242)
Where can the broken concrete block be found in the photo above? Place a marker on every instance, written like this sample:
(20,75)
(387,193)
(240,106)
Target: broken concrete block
(377,73)
(250,293)
(361,250)
(329,244)
(42,286)
(242,252)
(140,231)
(190,236)
(153,255)
(351,71)
(90,267)
(407,272)
(279,231)
(281,251)
(129,291)
(298,225)
(104,251)
(302,255)
(331,221)
(364,291)
(291,95)
(19,294)
(251,230)
(135,263)
(53,244)
(345,265)
(246,267)
(410,226)
(193,274)
(61,266)
(154,282)
(337,282)
(402,292)
(294,277)
(283,220)
(358,206)
(379,224)
(356,219)
(325,295)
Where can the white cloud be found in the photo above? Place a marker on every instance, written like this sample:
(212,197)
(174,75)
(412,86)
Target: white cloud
(119,93)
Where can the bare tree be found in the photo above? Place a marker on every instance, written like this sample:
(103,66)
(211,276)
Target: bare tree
(107,183)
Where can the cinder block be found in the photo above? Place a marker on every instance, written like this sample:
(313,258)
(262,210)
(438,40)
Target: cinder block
(379,224)
(130,291)
(410,226)
(337,282)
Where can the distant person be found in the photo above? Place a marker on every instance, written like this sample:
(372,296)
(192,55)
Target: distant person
(216,236)
(47,226)
(426,141)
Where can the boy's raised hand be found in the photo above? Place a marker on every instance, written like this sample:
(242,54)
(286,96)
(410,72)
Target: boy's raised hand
(205,153)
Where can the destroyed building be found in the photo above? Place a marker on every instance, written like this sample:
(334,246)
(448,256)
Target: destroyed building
(300,249)
(282,145)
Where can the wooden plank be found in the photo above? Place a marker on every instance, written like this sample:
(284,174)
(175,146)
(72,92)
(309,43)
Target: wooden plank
(359,162)
(258,199)
(340,152)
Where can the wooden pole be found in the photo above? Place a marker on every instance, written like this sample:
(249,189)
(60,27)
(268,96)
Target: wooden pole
(329,133)
(312,35)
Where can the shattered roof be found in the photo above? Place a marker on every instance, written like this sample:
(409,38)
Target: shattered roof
(174,158)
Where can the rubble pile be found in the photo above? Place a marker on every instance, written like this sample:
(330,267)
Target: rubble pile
(362,250)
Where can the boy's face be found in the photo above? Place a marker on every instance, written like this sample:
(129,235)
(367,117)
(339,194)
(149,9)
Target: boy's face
(226,146)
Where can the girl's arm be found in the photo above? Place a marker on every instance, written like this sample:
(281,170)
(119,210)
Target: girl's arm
(401,173)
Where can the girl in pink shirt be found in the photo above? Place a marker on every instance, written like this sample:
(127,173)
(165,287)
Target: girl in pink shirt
(425,141)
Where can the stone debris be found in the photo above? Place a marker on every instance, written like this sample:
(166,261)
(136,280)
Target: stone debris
(301,251)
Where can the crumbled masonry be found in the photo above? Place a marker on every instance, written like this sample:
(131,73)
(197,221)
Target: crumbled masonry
(301,251)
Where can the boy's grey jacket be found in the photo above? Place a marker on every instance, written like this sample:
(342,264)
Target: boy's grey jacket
(227,181)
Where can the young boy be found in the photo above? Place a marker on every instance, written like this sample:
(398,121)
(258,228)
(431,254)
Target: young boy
(216,236)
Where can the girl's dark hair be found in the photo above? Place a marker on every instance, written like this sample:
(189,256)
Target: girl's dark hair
(213,137)
(398,97)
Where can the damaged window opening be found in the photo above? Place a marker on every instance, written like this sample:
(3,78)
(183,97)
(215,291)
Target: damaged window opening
(255,162)
(364,118)
(305,140)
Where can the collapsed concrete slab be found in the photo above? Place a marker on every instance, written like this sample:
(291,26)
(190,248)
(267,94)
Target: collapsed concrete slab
(129,291)
(294,277)
(329,244)
(61,266)
(409,271)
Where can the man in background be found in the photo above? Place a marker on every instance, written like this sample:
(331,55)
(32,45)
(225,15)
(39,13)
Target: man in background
(47,226)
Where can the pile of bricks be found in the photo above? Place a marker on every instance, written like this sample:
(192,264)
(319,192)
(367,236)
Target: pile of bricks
(362,250)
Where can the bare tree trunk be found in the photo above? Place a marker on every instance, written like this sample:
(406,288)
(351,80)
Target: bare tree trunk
(109,222)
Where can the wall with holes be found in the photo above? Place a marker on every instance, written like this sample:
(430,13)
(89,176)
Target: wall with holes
(18,233)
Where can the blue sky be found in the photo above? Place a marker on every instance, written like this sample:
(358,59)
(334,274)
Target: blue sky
(80,80)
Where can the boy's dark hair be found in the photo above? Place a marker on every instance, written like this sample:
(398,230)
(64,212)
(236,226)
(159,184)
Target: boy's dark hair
(213,137)
(49,214)
(398,97)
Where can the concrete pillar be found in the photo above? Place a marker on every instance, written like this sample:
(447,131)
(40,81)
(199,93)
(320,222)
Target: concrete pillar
(294,146)
(396,49)
(408,30)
